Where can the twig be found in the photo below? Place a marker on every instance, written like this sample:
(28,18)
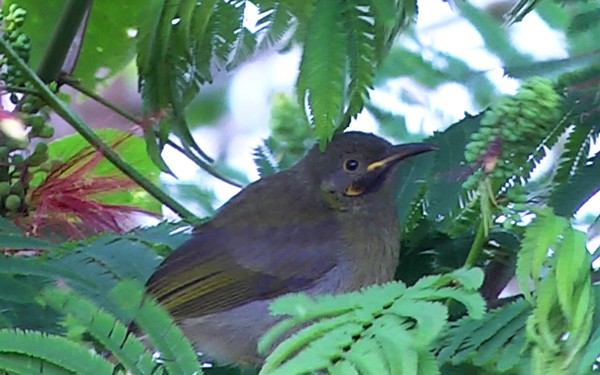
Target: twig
(82,128)
(477,246)
(204,165)
(71,18)
(22,90)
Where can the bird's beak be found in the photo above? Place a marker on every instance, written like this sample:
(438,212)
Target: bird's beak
(400,152)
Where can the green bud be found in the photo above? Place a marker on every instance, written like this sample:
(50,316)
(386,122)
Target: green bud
(37,122)
(41,148)
(36,159)
(47,131)
(12,202)
(4,188)
(507,224)
(17,160)
(18,188)
(27,108)
(527,94)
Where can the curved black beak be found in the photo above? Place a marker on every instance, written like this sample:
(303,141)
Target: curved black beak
(400,152)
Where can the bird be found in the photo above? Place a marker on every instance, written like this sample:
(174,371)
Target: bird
(326,225)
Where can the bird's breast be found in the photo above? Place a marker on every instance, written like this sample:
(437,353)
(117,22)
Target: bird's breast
(370,255)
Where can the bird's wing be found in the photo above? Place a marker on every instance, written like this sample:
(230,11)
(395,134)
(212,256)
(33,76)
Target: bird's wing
(222,268)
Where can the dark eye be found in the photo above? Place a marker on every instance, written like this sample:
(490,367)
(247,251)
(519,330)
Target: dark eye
(350,165)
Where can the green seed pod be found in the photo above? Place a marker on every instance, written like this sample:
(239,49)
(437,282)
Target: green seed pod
(4,188)
(18,188)
(35,160)
(13,202)
(530,112)
(17,160)
(41,148)
(47,131)
(27,108)
(507,107)
(37,122)
(507,224)
(15,144)
(489,133)
(527,94)
(490,118)
(22,40)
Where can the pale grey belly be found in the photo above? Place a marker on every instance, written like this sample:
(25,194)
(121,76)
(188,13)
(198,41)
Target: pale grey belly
(231,336)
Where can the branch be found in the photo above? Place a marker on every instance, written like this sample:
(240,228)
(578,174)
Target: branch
(477,246)
(82,128)
(71,19)
(190,155)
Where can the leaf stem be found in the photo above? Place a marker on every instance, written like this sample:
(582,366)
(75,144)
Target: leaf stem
(190,155)
(86,132)
(71,18)
(22,90)
(477,246)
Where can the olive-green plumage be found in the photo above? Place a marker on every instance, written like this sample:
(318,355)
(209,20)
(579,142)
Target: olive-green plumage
(326,225)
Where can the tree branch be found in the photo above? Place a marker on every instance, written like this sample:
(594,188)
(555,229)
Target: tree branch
(82,128)
(190,155)
(73,15)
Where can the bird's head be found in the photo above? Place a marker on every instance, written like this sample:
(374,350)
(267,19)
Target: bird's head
(356,166)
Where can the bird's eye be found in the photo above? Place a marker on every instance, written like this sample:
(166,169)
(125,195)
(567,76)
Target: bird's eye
(350,165)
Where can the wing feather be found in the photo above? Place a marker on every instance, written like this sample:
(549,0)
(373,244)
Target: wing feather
(221,268)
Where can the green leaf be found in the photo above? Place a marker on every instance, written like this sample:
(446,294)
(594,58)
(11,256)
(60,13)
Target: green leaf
(366,327)
(17,289)
(108,44)
(539,237)
(445,192)
(361,57)
(20,364)
(9,227)
(243,50)
(321,83)
(264,160)
(20,242)
(55,349)
(590,353)
(569,197)
(486,342)
(275,19)
(572,265)
(111,333)
(152,319)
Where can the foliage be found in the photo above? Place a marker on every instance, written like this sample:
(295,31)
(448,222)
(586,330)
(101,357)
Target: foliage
(380,329)
(474,215)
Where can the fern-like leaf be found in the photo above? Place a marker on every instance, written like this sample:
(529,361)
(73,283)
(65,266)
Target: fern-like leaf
(25,365)
(264,160)
(495,341)
(539,237)
(58,350)
(104,327)
(575,152)
(360,26)
(177,352)
(274,22)
(569,197)
(321,83)
(365,328)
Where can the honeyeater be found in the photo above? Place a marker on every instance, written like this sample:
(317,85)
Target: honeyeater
(326,225)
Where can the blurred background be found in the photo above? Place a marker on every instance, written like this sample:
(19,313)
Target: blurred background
(456,59)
